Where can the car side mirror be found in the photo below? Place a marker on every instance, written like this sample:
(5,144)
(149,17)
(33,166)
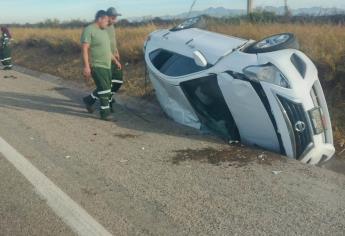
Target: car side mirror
(199,59)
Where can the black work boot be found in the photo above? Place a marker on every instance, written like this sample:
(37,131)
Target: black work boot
(111,105)
(7,68)
(89,102)
(106,116)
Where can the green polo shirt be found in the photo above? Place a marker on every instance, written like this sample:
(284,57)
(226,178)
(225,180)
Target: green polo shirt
(99,45)
(112,36)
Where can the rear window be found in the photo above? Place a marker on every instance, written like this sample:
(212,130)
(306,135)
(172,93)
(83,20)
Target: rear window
(173,64)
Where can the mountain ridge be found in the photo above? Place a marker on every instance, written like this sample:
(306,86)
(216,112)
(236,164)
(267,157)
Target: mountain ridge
(226,12)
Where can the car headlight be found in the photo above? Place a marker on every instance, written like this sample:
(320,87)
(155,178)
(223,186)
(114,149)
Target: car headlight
(267,73)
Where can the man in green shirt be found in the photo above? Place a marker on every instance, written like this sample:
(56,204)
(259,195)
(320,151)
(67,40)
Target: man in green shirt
(97,57)
(116,67)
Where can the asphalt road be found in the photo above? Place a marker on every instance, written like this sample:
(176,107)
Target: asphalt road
(145,175)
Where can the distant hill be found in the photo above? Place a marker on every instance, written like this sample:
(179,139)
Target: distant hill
(212,11)
(224,12)
(314,11)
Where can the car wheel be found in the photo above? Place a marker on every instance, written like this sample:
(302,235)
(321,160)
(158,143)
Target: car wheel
(274,43)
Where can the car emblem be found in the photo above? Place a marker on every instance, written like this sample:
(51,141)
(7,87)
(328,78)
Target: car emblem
(300,126)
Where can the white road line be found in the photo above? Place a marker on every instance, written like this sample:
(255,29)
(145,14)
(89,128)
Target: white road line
(63,206)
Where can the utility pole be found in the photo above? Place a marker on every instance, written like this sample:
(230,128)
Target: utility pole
(250,6)
(286,8)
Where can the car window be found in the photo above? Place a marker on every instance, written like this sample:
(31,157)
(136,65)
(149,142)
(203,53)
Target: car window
(209,104)
(173,64)
(159,58)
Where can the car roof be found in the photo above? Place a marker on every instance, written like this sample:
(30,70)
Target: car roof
(212,45)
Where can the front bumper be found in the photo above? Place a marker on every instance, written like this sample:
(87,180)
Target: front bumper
(318,153)
(308,145)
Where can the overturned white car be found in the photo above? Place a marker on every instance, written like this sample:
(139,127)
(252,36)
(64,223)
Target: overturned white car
(265,93)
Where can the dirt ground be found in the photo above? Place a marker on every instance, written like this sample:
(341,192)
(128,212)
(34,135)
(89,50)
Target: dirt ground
(142,174)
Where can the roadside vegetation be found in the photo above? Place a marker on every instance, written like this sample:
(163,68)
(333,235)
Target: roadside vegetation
(56,50)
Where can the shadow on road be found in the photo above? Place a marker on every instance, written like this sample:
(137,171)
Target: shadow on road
(336,165)
(73,106)
(19,101)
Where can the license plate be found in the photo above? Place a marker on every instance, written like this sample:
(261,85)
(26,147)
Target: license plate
(316,120)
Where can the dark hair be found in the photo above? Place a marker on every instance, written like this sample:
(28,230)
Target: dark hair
(100,14)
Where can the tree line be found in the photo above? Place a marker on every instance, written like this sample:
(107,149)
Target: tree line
(255,17)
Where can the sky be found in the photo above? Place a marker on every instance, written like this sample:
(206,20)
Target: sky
(22,11)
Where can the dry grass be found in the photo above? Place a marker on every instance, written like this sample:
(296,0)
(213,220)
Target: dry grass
(53,34)
(130,40)
(57,51)
(325,44)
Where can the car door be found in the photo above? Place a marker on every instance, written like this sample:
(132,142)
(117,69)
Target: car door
(246,102)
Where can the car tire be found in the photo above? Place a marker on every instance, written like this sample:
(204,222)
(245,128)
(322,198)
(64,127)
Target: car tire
(288,41)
